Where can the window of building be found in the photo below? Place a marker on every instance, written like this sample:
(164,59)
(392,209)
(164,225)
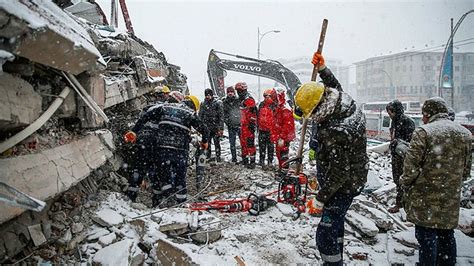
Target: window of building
(456,68)
(438,57)
(411,68)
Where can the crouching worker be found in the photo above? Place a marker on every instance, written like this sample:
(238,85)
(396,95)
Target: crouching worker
(162,146)
(342,156)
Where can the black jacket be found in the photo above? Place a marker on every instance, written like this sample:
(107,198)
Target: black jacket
(212,114)
(231,111)
(402,126)
(168,125)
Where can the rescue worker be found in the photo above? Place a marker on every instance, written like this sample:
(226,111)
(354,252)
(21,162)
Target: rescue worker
(162,137)
(266,124)
(342,156)
(231,106)
(212,115)
(436,164)
(248,123)
(402,128)
(163,93)
(284,128)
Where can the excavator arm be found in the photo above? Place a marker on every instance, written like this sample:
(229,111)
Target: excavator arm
(216,70)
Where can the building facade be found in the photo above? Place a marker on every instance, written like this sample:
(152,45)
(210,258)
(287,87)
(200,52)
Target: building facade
(303,68)
(414,76)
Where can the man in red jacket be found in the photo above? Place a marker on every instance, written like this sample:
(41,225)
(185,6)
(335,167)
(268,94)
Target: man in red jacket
(284,128)
(248,122)
(266,130)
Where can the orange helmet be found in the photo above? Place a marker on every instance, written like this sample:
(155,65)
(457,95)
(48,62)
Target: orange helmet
(241,86)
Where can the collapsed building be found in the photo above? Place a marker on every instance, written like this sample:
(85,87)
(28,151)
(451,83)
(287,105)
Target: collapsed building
(61,75)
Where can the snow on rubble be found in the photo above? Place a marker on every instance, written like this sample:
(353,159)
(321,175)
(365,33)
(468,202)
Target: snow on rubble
(179,235)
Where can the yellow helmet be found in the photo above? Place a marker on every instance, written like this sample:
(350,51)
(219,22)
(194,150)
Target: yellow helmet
(165,89)
(308,96)
(195,101)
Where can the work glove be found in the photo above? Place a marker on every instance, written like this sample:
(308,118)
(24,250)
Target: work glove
(312,155)
(204,145)
(318,60)
(315,207)
(280,143)
(130,137)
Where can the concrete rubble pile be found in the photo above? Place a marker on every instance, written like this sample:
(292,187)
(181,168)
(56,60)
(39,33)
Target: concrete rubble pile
(71,150)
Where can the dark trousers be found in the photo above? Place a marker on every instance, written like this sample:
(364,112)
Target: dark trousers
(173,165)
(233,135)
(265,146)
(330,232)
(214,137)
(144,166)
(437,246)
(397,171)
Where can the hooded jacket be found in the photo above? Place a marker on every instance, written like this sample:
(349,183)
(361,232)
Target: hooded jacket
(402,126)
(437,162)
(211,113)
(342,144)
(231,111)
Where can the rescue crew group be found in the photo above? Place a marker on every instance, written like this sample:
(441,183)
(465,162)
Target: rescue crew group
(437,161)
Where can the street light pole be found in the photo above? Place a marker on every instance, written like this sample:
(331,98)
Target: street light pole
(259,40)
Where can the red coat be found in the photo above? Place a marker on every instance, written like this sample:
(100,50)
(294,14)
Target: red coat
(284,123)
(265,119)
(248,114)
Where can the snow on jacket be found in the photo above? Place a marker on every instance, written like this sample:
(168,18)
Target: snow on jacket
(248,112)
(342,143)
(211,113)
(231,111)
(265,115)
(437,161)
(168,125)
(284,123)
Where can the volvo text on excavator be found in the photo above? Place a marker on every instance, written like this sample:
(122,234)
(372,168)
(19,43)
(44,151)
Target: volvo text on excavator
(216,70)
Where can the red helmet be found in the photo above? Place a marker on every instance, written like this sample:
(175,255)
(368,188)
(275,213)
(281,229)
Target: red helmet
(271,93)
(241,86)
(281,95)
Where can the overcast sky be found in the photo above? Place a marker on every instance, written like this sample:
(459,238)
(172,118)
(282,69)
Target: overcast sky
(185,31)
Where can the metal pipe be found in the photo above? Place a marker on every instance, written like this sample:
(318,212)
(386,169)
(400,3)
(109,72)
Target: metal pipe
(7,144)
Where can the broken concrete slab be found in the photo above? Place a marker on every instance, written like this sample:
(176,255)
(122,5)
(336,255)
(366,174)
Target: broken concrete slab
(364,225)
(36,234)
(46,174)
(206,236)
(14,113)
(381,220)
(117,254)
(107,239)
(174,228)
(77,227)
(169,254)
(76,240)
(285,209)
(96,233)
(48,36)
(407,238)
(107,217)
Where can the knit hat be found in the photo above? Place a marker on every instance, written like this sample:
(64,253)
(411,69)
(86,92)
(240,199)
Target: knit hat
(208,92)
(230,89)
(433,106)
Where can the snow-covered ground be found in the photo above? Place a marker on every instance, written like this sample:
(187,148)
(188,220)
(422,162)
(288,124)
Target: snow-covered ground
(273,237)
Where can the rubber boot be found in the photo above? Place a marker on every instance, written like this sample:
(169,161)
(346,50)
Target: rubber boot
(251,165)
(245,161)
